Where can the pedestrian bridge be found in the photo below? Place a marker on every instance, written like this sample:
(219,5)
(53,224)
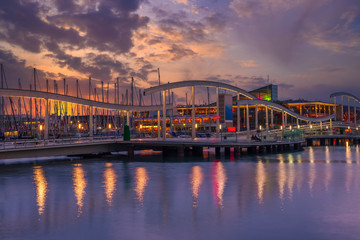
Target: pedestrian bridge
(11,120)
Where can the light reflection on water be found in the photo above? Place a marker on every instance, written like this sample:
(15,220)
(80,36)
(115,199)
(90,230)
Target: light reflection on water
(219,181)
(79,183)
(142,179)
(328,168)
(260,181)
(110,179)
(41,188)
(196,181)
(318,188)
(281,177)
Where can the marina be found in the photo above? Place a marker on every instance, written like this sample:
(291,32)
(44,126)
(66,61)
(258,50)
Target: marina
(179,119)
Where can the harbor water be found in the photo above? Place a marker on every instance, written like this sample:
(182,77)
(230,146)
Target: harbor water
(311,194)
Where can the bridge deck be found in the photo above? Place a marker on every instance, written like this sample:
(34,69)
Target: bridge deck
(101,147)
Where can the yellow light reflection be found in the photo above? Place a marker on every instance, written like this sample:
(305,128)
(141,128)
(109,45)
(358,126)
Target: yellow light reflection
(260,181)
(328,170)
(291,177)
(348,154)
(196,179)
(311,155)
(109,182)
(41,188)
(349,168)
(299,172)
(299,159)
(312,170)
(79,183)
(281,177)
(327,155)
(219,182)
(141,178)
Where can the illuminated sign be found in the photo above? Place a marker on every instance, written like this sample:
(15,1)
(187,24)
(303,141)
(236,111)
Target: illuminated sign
(231,129)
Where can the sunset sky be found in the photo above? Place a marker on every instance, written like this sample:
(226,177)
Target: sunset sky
(310,48)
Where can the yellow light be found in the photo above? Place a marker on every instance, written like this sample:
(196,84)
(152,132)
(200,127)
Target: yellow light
(184,124)
(260,127)
(141,126)
(41,127)
(298,126)
(109,126)
(196,125)
(327,127)
(290,127)
(281,127)
(220,126)
(310,126)
(348,127)
(79,126)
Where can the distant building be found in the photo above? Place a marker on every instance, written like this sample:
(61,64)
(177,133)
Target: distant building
(268,93)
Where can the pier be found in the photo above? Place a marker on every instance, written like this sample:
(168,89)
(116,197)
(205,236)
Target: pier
(175,147)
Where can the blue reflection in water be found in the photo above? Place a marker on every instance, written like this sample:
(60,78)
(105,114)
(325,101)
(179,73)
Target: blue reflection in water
(303,195)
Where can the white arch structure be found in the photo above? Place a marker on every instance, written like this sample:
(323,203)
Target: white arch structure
(192,83)
(281,109)
(349,95)
(80,101)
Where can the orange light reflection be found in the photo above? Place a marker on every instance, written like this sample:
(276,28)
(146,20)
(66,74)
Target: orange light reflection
(142,179)
(41,188)
(109,182)
(196,179)
(79,183)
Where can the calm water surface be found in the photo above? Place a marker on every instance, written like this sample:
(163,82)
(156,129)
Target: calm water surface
(314,194)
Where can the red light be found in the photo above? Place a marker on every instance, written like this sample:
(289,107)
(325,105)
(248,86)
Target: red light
(216,117)
(231,129)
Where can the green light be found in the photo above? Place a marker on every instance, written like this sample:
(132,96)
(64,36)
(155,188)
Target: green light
(267,98)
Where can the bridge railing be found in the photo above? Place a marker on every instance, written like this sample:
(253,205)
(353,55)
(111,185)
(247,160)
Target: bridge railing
(276,135)
(20,143)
